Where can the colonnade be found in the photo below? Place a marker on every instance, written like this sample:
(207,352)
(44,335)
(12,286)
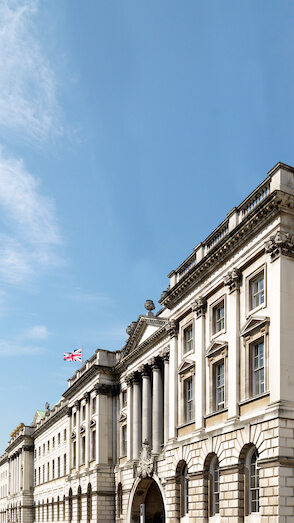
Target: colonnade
(147,406)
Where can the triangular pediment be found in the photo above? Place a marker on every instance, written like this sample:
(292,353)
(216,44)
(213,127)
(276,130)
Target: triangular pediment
(185,366)
(144,332)
(40,414)
(215,347)
(253,323)
(123,417)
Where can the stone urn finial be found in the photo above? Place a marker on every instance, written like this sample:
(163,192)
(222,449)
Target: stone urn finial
(149,306)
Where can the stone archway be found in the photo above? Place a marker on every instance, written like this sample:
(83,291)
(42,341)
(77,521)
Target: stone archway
(148,494)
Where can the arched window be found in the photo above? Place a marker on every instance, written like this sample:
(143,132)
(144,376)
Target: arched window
(57,508)
(70,504)
(89,502)
(52,510)
(64,508)
(183,488)
(119,499)
(253,483)
(214,486)
(47,510)
(79,503)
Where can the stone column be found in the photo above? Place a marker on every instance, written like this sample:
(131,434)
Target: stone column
(233,280)
(87,435)
(146,404)
(136,415)
(129,418)
(166,399)
(172,330)
(78,439)
(69,441)
(157,406)
(199,308)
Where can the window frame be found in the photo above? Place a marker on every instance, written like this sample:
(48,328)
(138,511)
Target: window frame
(250,280)
(253,336)
(186,373)
(217,354)
(188,343)
(218,304)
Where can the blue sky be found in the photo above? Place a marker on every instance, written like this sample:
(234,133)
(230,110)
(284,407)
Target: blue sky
(128,130)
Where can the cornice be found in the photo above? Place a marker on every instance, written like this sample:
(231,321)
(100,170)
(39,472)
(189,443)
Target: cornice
(133,350)
(50,420)
(224,248)
(85,378)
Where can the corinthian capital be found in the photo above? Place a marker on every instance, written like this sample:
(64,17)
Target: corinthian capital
(199,306)
(279,244)
(172,328)
(233,279)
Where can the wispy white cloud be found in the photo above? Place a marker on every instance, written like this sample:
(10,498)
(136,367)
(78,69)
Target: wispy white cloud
(37,332)
(11,349)
(28,103)
(90,298)
(33,232)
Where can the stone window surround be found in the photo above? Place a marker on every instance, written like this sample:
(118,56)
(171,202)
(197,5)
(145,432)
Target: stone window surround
(248,280)
(186,371)
(258,334)
(213,306)
(213,358)
(189,321)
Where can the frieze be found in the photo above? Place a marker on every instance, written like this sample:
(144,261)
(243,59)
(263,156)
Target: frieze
(106,389)
(280,244)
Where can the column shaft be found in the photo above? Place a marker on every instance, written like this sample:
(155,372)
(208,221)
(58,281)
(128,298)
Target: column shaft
(166,398)
(136,418)
(146,408)
(157,410)
(129,421)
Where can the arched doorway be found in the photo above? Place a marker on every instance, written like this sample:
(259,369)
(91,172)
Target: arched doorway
(148,498)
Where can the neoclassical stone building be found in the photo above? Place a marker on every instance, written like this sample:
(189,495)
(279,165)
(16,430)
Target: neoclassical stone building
(193,419)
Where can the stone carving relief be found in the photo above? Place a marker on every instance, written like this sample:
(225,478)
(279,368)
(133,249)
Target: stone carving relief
(279,244)
(145,466)
(233,279)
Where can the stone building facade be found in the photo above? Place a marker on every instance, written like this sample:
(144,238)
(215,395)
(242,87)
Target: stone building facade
(193,419)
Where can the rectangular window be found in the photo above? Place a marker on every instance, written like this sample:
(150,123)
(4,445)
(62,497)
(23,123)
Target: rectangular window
(256,290)
(53,442)
(124,440)
(48,446)
(74,446)
(64,464)
(94,405)
(188,398)
(219,317)
(48,471)
(83,450)
(53,469)
(44,479)
(219,386)
(93,445)
(43,449)
(74,419)
(124,399)
(258,386)
(58,438)
(58,467)
(83,412)
(188,339)
(64,435)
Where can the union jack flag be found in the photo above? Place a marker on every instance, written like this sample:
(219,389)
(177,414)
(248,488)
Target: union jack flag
(75,355)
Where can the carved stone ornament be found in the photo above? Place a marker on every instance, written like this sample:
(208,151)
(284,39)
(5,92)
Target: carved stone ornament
(280,244)
(149,306)
(233,279)
(172,328)
(199,306)
(145,466)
